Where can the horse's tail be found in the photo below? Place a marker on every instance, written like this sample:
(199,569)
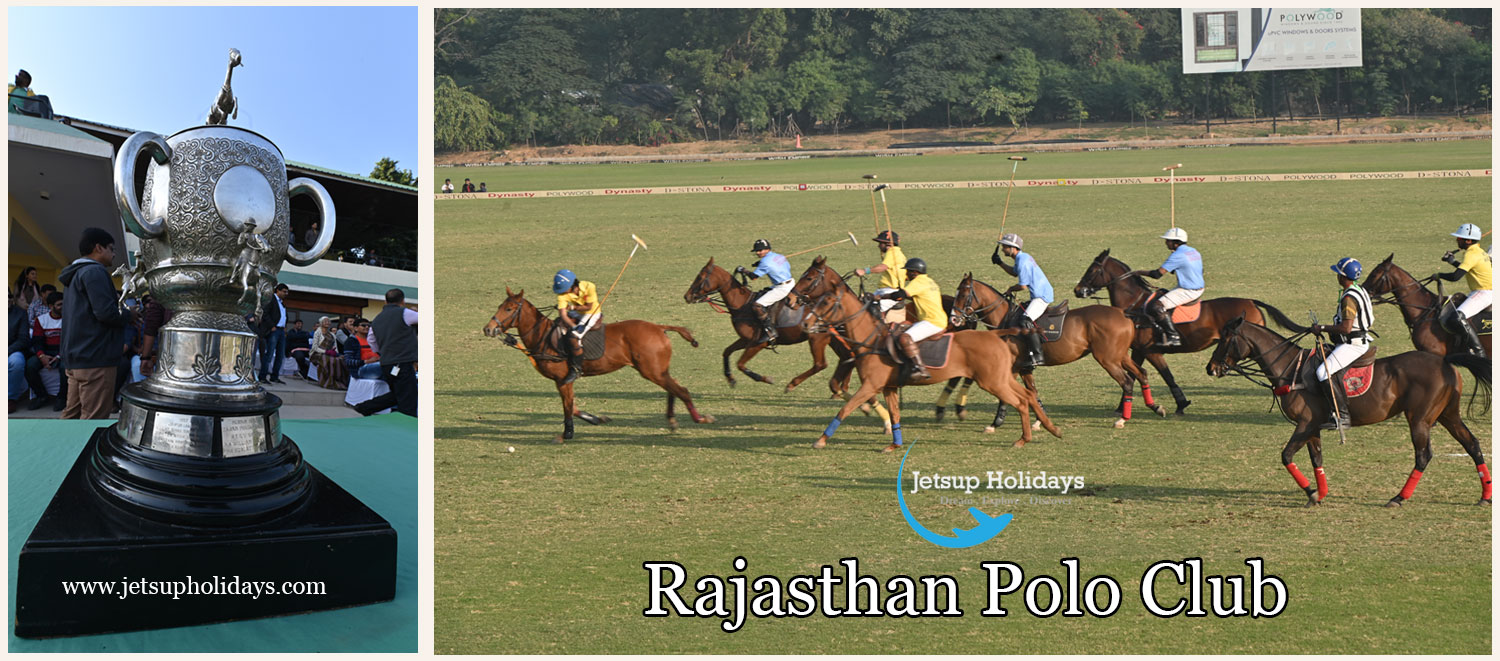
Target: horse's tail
(685,333)
(1280,317)
(1481,369)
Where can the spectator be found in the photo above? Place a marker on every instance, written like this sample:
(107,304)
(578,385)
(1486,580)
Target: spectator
(297,346)
(468,185)
(373,260)
(46,346)
(21,88)
(93,329)
(483,188)
(39,306)
(130,359)
(273,334)
(345,331)
(310,237)
(447,185)
(327,356)
(20,346)
(360,357)
(28,293)
(154,315)
(398,360)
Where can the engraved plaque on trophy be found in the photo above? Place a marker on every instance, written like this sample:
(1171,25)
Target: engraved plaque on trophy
(196,478)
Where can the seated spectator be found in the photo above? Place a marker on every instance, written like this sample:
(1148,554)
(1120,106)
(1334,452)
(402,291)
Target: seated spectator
(297,347)
(20,345)
(483,188)
(46,351)
(20,91)
(447,185)
(468,186)
(359,357)
(327,355)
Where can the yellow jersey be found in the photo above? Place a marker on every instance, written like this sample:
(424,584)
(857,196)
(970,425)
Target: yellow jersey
(587,296)
(928,299)
(894,276)
(1476,262)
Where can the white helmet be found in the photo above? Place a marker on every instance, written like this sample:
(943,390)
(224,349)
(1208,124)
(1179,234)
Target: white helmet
(1176,234)
(1468,231)
(1011,240)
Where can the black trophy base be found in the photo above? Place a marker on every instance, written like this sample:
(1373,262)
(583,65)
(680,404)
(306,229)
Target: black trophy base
(331,552)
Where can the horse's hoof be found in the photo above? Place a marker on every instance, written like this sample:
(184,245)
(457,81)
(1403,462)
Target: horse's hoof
(961,415)
(821,443)
(766,380)
(990,429)
(887,430)
(603,419)
(1394,502)
(788,387)
(558,440)
(1119,423)
(890,448)
(1036,425)
(731,382)
(938,416)
(1313,502)
(672,424)
(1484,501)
(1020,443)
(704,419)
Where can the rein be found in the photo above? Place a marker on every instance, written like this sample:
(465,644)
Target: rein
(518,341)
(836,307)
(972,315)
(1393,296)
(1145,287)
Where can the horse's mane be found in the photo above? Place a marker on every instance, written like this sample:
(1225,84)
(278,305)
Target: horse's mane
(1138,280)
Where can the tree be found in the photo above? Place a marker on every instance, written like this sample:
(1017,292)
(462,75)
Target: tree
(385,170)
(462,121)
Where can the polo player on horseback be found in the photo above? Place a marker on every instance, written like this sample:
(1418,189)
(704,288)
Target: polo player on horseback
(577,311)
(779,269)
(1029,276)
(1187,265)
(892,276)
(1350,332)
(1475,267)
(925,294)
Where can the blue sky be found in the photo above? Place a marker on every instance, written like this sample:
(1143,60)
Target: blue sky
(335,87)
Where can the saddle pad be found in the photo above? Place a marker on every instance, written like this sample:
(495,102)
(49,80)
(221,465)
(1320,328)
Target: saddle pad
(1483,324)
(1186,313)
(1357,380)
(1051,326)
(593,342)
(785,316)
(934,351)
(1357,376)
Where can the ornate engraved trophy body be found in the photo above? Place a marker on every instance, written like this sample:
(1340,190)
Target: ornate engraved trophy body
(196,478)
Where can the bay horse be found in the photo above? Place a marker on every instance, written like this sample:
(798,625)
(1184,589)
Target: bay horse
(983,355)
(1100,330)
(1130,295)
(1424,387)
(1420,308)
(639,344)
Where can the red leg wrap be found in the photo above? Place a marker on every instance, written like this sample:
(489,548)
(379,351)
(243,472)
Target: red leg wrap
(1297,475)
(1126,411)
(1322,483)
(693,411)
(1146,392)
(1411,484)
(1484,480)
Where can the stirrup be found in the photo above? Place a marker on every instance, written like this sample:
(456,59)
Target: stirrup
(1340,421)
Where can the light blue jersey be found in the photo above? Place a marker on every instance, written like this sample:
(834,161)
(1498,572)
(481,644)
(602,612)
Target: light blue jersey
(1030,275)
(1187,264)
(775,265)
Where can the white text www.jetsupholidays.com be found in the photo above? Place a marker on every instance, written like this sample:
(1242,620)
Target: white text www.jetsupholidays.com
(177,589)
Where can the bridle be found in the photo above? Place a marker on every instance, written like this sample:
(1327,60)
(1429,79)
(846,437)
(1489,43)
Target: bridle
(835,308)
(1231,341)
(1393,295)
(512,320)
(963,309)
(703,290)
(1099,264)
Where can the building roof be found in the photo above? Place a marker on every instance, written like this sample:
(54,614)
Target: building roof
(323,284)
(50,134)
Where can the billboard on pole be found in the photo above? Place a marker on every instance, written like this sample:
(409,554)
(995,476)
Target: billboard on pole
(1219,40)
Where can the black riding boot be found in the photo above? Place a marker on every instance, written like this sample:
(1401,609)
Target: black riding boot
(1471,336)
(1034,341)
(909,347)
(1338,402)
(575,359)
(1169,335)
(767,325)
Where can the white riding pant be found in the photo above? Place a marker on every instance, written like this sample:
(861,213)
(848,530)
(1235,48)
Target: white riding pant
(1179,296)
(1035,308)
(1340,358)
(777,293)
(885,303)
(922,330)
(584,324)
(1477,302)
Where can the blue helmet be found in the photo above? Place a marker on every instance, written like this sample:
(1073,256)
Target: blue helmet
(1348,267)
(563,281)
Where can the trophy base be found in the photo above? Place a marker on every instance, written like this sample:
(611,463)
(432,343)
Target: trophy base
(89,567)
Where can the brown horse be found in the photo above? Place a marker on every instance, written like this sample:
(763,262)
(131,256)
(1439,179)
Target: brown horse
(639,344)
(983,355)
(1097,329)
(1130,293)
(1424,387)
(1420,308)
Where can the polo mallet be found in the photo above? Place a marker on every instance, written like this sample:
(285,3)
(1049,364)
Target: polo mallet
(638,244)
(873,213)
(803,252)
(882,188)
(1333,396)
(1172,185)
(1015,162)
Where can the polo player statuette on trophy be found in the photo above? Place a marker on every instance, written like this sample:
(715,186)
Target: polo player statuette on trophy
(196,478)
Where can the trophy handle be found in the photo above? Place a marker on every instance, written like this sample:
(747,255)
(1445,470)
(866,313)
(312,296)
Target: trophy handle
(326,221)
(130,209)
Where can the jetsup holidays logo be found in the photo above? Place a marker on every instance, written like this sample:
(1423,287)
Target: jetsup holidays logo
(986,527)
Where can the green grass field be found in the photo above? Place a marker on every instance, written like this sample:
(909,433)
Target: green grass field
(541,550)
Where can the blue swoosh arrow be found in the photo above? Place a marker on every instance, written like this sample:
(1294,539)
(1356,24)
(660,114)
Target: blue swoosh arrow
(988,526)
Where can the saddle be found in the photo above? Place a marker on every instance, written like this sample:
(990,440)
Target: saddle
(1482,324)
(1051,322)
(1356,376)
(781,315)
(1181,314)
(593,341)
(932,351)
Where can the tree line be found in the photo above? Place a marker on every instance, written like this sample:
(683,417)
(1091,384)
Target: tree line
(648,76)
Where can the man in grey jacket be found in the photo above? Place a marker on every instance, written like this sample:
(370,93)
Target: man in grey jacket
(93,327)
